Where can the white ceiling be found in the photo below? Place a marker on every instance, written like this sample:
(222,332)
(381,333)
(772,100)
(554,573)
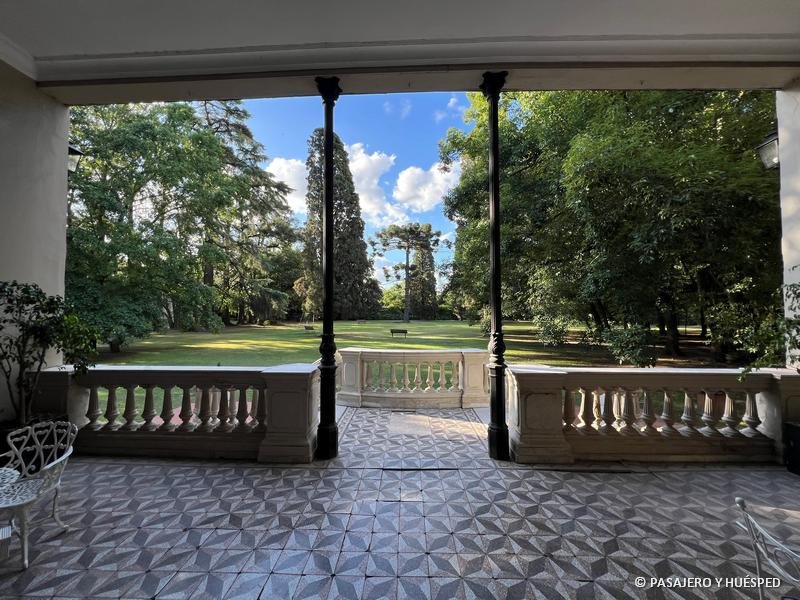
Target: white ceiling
(103,50)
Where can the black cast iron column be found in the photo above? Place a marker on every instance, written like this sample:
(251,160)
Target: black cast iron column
(493,82)
(328,432)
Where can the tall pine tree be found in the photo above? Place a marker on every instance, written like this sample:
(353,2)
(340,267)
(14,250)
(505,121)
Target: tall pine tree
(419,239)
(422,279)
(356,293)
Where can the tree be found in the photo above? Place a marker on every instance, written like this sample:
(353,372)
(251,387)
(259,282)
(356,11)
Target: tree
(171,219)
(621,209)
(422,281)
(356,293)
(418,239)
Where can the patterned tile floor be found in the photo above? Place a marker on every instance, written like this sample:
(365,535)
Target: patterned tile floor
(411,509)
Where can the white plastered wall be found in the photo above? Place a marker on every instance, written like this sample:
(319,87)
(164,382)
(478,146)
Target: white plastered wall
(33,188)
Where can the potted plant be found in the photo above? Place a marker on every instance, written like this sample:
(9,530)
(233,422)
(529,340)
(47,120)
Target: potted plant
(33,324)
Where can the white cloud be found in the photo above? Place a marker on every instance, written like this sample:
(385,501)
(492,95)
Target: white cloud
(421,190)
(292,172)
(449,236)
(453,109)
(402,111)
(367,169)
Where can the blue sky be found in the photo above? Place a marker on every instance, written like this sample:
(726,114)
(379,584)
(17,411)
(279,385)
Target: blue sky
(392,141)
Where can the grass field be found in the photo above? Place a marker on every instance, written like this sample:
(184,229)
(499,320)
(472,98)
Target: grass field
(289,343)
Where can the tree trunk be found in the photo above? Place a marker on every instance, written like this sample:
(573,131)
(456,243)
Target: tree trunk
(703,322)
(662,323)
(114,346)
(407,292)
(673,334)
(598,321)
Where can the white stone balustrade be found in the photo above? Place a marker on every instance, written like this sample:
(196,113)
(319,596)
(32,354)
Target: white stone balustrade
(265,414)
(412,378)
(561,415)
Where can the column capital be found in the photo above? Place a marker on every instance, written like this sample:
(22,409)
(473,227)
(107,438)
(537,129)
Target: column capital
(328,88)
(493,82)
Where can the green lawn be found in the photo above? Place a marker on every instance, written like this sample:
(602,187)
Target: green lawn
(280,344)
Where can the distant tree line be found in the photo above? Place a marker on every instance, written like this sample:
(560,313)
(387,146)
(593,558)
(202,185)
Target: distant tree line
(623,211)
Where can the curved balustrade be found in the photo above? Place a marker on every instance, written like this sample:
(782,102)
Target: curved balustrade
(562,415)
(231,412)
(411,378)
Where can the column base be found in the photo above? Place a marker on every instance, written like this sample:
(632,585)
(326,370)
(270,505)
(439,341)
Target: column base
(498,443)
(327,441)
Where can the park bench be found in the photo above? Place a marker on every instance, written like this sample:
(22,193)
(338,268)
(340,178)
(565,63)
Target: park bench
(361,322)
(399,331)
(308,327)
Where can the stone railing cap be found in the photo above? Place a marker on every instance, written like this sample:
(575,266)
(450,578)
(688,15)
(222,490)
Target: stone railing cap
(300,368)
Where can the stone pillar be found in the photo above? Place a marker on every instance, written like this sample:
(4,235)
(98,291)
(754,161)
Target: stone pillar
(473,378)
(34,132)
(292,413)
(352,377)
(788,110)
(535,416)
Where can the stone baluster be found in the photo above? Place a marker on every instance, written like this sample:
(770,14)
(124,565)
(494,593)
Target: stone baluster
(223,413)
(607,417)
(418,377)
(586,413)
(187,411)
(111,409)
(129,413)
(688,418)
(455,379)
(596,409)
(233,406)
(204,414)
(751,419)
(451,382)
(406,379)
(260,422)
(93,412)
(428,376)
(242,412)
(366,373)
(730,417)
(648,416)
(381,377)
(627,412)
(668,415)
(149,410)
(167,411)
(440,381)
(393,375)
(569,411)
(709,416)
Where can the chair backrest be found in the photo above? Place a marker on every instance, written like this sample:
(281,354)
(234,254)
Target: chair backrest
(34,448)
(784,560)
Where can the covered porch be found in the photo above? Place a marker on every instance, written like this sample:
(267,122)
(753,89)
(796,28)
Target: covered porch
(412,508)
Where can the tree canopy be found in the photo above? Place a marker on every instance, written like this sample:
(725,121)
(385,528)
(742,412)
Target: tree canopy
(622,209)
(173,221)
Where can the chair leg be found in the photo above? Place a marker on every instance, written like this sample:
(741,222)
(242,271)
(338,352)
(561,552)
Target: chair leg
(23,534)
(55,510)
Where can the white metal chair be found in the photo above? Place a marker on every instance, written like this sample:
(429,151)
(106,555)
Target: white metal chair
(35,462)
(784,561)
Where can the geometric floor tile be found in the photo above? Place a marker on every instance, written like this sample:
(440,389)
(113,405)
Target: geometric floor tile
(411,508)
